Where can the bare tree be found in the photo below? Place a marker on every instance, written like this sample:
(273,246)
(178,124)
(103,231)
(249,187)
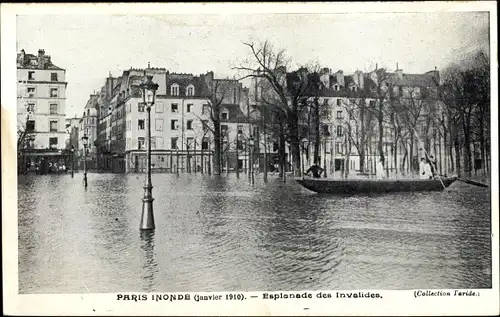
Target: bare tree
(289,88)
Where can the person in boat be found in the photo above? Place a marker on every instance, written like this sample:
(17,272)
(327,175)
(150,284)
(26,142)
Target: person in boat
(432,162)
(315,169)
(425,169)
(380,169)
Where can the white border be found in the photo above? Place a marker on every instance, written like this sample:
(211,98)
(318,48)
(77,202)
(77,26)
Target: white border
(393,302)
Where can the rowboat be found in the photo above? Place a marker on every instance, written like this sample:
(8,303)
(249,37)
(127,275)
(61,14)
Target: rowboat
(354,186)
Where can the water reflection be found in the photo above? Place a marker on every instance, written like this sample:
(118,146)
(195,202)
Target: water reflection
(148,260)
(223,234)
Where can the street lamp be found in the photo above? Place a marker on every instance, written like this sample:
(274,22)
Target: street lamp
(250,142)
(72,161)
(148,89)
(85,141)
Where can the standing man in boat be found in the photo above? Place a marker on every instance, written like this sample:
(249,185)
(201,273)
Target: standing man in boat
(315,169)
(380,169)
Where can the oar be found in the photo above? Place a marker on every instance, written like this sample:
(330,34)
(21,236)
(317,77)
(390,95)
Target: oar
(468,181)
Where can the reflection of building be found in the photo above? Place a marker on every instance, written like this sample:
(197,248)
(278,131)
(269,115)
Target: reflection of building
(181,128)
(41,106)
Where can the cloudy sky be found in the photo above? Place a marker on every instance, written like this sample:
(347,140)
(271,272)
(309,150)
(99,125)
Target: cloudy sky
(91,46)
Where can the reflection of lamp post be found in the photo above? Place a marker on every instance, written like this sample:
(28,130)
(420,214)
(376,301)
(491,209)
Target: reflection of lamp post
(72,161)
(250,142)
(85,141)
(148,89)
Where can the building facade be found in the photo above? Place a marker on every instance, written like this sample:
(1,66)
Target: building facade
(41,107)
(181,125)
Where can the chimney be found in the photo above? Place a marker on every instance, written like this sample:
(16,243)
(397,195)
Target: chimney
(376,66)
(397,66)
(41,61)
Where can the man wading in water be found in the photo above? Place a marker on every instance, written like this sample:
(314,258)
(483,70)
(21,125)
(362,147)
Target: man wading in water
(315,170)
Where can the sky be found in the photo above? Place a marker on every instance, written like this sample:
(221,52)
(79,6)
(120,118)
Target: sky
(91,46)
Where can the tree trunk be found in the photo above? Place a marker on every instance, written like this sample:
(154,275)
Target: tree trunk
(316,131)
(410,159)
(281,149)
(380,118)
(217,158)
(362,138)
(293,123)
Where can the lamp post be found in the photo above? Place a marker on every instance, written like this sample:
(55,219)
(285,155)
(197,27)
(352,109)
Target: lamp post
(72,161)
(148,89)
(85,141)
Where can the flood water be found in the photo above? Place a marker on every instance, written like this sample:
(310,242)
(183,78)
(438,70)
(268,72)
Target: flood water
(222,234)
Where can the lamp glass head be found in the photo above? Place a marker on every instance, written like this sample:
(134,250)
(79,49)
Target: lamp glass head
(149,96)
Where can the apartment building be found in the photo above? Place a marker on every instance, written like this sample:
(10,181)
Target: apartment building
(348,102)
(88,127)
(181,127)
(41,106)
(42,100)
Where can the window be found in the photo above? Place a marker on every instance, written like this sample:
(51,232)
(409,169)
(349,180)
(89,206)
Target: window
(31,75)
(31,107)
(128,124)
(31,92)
(174,125)
(53,108)
(174,108)
(275,146)
(204,144)
(339,114)
(223,128)
(205,109)
(336,87)
(53,92)
(159,107)
(153,142)
(53,125)
(190,90)
(339,102)
(325,102)
(326,129)
(159,124)
(141,143)
(140,107)
(189,125)
(140,124)
(173,143)
(53,76)
(53,143)
(338,148)
(339,131)
(224,116)
(205,125)
(30,126)
(189,143)
(240,129)
(174,90)
(188,107)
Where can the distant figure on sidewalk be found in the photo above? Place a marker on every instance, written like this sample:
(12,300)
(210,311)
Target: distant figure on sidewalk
(315,170)
(380,169)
